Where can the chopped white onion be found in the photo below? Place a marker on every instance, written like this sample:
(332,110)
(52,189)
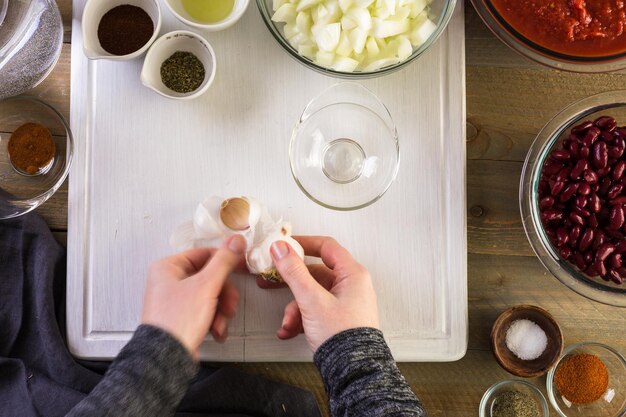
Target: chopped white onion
(355,35)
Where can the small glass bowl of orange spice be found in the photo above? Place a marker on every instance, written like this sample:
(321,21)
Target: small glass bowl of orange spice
(589,380)
(36,149)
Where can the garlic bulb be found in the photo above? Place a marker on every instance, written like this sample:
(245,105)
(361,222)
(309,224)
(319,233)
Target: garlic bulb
(259,259)
(216,219)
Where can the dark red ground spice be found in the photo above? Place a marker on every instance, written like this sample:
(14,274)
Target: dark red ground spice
(125,29)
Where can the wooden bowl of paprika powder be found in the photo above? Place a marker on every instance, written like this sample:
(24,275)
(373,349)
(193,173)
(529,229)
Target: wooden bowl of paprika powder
(588,380)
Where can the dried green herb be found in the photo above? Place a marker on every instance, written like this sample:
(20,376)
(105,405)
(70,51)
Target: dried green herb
(182,72)
(515,404)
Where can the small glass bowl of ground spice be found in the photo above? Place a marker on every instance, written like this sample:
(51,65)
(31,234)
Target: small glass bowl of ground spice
(120,30)
(35,154)
(179,65)
(589,380)
(513,399)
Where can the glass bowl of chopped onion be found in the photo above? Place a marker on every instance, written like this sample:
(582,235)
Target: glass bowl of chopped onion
(593,376)
(35,154)
(356,38)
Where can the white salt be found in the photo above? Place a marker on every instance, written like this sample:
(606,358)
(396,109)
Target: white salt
(526,339)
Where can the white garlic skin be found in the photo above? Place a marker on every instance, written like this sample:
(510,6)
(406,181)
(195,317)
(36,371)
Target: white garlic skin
(259,259)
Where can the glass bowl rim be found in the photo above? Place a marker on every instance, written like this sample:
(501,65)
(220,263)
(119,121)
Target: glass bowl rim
(563,270)
(500,384)
(512,38)
(279,37)
(302,119)
(41,198)
(567,351)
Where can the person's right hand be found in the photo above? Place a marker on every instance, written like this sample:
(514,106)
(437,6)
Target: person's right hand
(329,298)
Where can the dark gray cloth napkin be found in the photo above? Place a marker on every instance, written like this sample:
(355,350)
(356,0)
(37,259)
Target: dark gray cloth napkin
(39,377)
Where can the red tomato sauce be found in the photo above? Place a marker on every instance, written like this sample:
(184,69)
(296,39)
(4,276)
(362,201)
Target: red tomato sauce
(583,28)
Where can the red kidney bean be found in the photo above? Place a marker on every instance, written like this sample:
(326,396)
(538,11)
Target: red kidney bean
(582,128)
(560,155)
(562,237)
(614,235)
(603,251)
(566,253)
(590,176)
(583,212)
(581,201)
(568,192)
(551,215)
(618,170)
(600,268)
(557,187)
(579,260)
(578,169)
(618,201)
(616,152)
(606,123)
(600,157)
(615,276)
(623,181)
(588,257)
(614,191)
(616,218)
(598,240)
(576,219)
(546,202)
(574,149)
(563,174)
(552,166)
(620,247)
(603,172)
(591,136)
(584,189)
(584,152)
(593,221)
(605,184)
(615,260)
(607,137)
(574,234)
(591,271)
(586,240)
(595,204)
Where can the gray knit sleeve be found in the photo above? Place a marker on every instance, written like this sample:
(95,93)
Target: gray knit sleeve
(362,379)
(148,378)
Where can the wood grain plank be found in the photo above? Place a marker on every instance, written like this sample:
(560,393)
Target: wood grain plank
(494,225)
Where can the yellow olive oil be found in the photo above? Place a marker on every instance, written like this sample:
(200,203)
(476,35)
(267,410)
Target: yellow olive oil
(208,11)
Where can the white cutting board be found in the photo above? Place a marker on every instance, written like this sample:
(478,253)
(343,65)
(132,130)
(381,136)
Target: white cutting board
(143,162)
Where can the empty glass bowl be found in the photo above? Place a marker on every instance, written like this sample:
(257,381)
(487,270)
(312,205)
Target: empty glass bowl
(491,396)
(21,193)
(344,150)
(612,403)
(612,103)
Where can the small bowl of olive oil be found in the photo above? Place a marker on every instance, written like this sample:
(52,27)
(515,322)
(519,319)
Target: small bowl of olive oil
(211,15)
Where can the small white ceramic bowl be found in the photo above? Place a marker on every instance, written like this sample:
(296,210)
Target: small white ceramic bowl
(163,48)
(92,14)
(177,9)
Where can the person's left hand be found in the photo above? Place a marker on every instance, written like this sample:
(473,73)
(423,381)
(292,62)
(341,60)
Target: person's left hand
(189,293)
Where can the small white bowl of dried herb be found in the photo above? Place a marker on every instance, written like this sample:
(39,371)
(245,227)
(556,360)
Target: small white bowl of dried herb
(179,65)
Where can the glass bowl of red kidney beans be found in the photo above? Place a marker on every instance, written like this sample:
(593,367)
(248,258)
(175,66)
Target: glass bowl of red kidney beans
(573,197)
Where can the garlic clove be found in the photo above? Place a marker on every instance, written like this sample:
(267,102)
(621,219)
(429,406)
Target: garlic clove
(240,213)
(259,259)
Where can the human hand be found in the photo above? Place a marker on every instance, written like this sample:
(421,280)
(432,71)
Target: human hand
(189,293)
(329,298)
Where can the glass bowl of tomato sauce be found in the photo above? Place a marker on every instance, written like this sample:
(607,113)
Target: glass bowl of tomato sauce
(570,35)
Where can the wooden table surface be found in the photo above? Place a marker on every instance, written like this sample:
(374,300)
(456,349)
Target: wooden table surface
(509,99)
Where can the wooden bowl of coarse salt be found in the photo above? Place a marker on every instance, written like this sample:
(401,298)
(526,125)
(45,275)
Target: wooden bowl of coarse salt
(526,341)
